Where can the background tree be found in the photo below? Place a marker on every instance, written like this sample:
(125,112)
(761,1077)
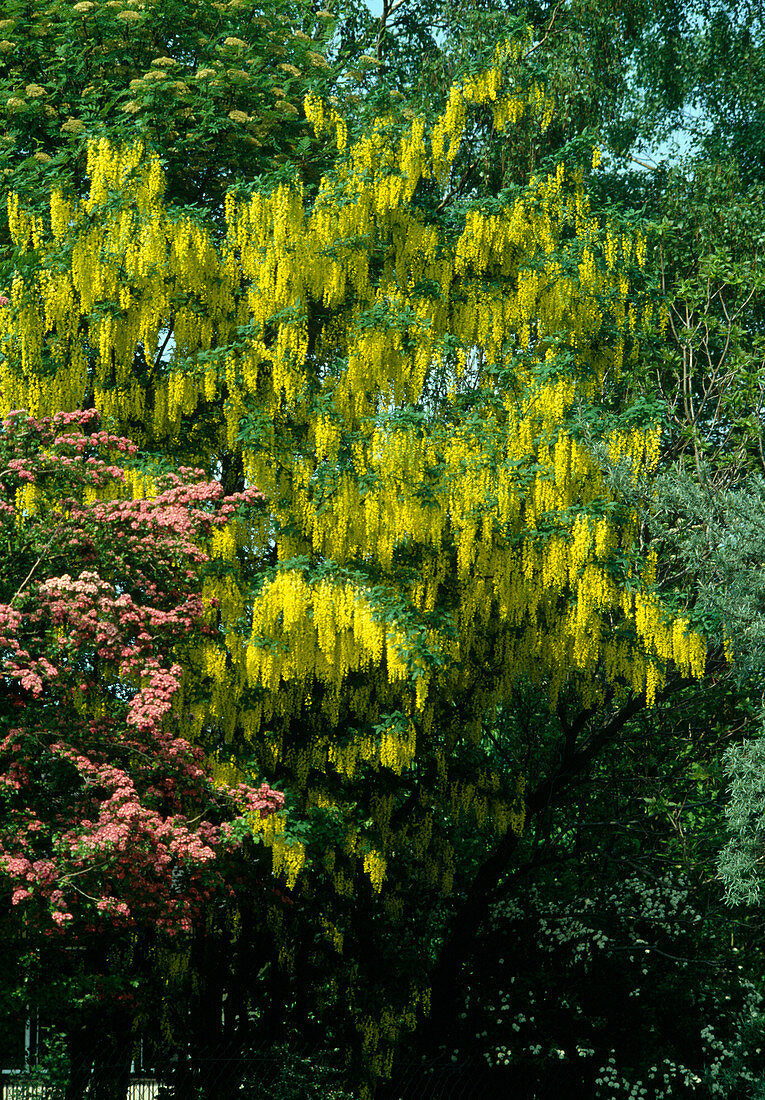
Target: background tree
(217,87)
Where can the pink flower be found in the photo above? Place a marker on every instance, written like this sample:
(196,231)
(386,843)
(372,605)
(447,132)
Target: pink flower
(120,836)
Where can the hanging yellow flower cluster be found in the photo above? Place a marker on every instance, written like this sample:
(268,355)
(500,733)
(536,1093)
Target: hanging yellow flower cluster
(112,278)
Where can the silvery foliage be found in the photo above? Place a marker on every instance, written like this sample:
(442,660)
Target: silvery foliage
(721,539)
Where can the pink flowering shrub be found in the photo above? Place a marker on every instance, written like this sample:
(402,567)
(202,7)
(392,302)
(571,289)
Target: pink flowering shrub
(106,811)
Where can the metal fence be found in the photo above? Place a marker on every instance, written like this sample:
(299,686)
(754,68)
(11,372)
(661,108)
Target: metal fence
(18,1086)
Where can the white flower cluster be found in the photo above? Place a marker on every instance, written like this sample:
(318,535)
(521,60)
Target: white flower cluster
(534,1014)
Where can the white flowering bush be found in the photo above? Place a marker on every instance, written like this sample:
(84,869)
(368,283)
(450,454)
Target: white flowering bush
(623,991)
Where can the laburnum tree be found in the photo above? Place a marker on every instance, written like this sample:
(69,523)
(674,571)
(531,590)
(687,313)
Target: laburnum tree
(110,826)
(429,394)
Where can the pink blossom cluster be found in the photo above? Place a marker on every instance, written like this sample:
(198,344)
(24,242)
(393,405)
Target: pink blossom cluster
(109,815)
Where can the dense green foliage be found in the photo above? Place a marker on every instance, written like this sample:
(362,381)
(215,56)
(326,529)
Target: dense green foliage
(616,945)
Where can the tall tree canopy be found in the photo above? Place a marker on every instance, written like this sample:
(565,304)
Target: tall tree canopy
(428,393)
